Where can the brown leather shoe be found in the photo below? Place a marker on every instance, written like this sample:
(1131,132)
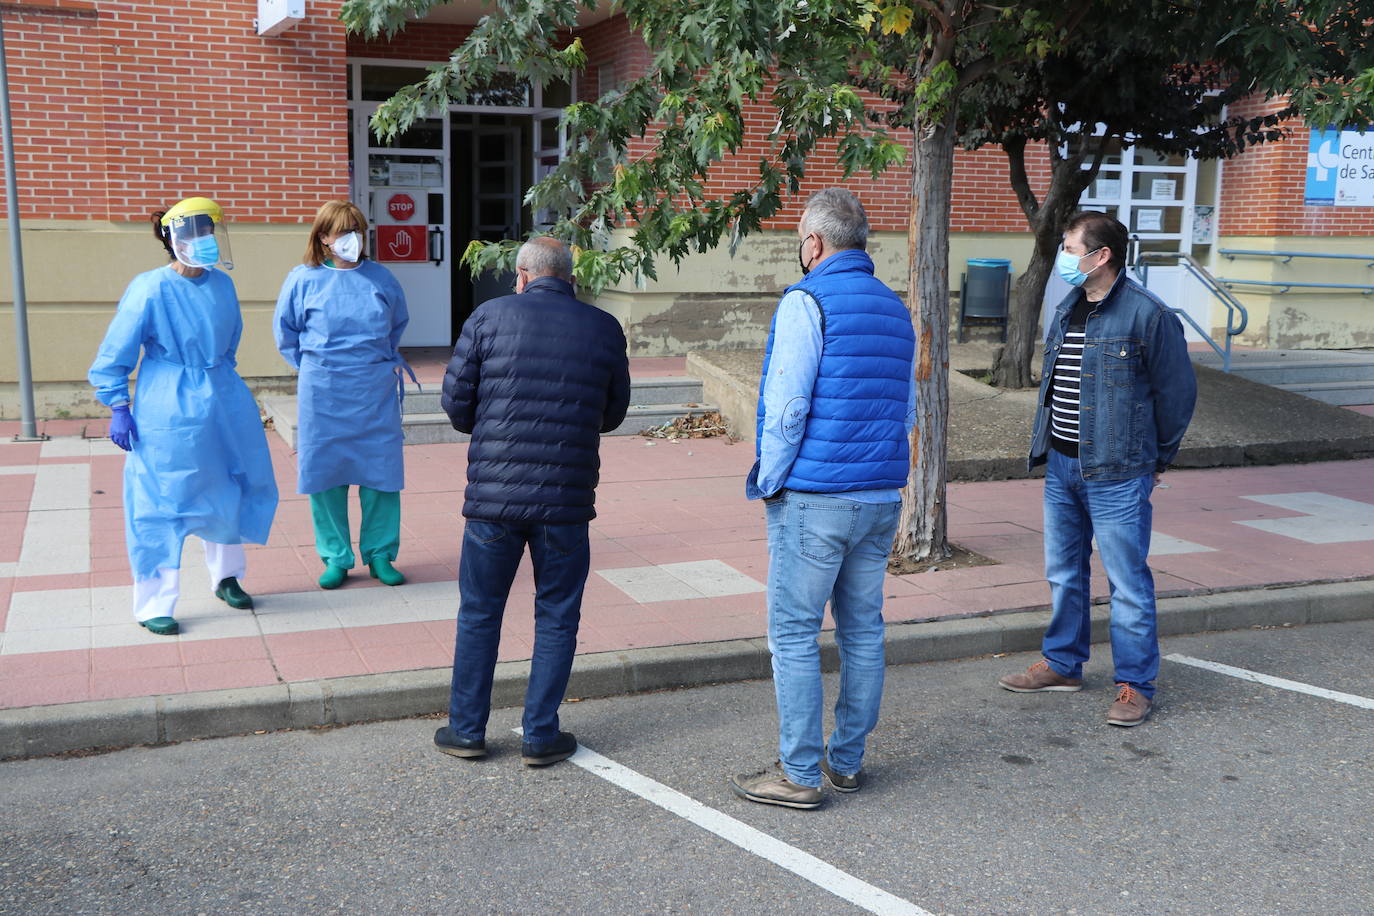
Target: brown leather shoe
(1131,707)
(1040,678)
(772,787)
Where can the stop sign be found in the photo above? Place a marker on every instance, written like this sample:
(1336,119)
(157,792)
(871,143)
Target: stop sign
(401,207)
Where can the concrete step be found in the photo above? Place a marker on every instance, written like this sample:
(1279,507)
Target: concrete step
(1288,372)
(1340,393)
(643,392)
(429,428)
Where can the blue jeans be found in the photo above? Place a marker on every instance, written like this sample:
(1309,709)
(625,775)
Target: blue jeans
(821,548)
(491,554)
(1118,512)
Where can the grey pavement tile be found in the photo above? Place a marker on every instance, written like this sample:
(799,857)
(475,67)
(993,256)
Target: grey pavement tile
(19,642)
(50,609)
(713,578)
(647,584)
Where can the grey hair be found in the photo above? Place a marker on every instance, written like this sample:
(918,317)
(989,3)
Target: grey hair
(837,217)
(546,256)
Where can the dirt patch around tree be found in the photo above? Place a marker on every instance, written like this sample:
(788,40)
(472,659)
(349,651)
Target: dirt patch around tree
(959,558)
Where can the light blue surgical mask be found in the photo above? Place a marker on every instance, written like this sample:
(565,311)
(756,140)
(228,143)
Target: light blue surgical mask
(1066,265)
(203,251)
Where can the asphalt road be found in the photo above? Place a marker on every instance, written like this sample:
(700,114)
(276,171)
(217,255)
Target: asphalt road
(1236,798)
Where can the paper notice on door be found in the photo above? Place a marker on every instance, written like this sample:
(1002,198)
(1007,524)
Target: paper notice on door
(1149,220)
(1162,189)
(1107,189)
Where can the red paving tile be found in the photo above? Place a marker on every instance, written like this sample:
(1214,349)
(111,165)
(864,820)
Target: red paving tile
(406,657)
(46,664)
(311,642)
(144,682)
(209,651)
(324,664)
(389,634)
(245,672)
(132,658)
(44,691)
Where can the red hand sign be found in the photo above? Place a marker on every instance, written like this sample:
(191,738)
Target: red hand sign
(401,243)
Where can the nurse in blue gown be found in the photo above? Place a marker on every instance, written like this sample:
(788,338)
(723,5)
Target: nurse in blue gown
(339,321)
(198,460)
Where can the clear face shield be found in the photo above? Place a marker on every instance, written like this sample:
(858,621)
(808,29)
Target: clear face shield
(198,241)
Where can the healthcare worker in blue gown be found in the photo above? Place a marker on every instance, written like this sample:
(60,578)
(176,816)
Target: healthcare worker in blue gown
(198,460)
(339,321)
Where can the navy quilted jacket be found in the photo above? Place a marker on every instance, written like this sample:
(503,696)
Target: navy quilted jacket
(536,378)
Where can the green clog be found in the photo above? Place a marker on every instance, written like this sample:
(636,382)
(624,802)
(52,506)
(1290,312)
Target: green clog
(162,626)
(231,593)
(333,576)
(382,569)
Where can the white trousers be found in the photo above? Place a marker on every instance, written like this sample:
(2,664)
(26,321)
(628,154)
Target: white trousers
(157,596)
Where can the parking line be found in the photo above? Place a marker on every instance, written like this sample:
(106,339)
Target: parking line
(1269,681)
(803,864)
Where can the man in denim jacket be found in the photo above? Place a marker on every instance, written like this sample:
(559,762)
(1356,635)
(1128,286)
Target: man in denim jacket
(1116,394)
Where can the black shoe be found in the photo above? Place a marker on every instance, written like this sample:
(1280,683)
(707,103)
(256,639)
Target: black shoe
(541,755)
(445,740)
(231,593)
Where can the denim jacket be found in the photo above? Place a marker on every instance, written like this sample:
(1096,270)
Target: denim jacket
(1138,386)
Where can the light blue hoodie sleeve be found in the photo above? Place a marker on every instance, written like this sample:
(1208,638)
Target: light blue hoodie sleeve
(797,345)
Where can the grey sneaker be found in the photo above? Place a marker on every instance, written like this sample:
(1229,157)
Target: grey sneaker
(772,787)
(839,781)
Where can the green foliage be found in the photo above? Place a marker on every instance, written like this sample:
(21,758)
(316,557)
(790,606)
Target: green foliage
(640,158)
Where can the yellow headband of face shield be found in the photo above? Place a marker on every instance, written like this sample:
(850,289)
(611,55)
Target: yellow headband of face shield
(194,206)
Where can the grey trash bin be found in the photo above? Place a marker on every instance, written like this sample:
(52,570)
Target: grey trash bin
(985,293)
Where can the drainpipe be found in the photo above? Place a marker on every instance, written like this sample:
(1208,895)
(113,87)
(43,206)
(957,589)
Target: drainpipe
(28,431)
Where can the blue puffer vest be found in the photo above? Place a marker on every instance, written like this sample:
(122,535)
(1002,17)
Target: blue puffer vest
(536,378)
(855,437)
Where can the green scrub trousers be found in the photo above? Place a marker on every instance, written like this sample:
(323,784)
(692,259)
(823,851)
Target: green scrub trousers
(380,535)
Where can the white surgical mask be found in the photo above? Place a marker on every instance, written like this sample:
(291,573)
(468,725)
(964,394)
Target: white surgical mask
(348,247)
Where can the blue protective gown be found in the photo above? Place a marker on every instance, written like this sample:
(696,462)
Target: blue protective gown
(199,463)
(341,329)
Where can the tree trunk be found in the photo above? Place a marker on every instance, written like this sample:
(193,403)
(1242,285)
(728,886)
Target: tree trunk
(1016,361)
(922,529)
(1047,220)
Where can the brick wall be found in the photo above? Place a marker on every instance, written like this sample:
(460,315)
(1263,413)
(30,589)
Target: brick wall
(1262,189)
(124,107)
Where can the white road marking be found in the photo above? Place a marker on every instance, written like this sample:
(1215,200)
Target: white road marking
(1269,681)
(803,864)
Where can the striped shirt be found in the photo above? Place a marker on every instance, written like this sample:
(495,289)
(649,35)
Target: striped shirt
(1068,367)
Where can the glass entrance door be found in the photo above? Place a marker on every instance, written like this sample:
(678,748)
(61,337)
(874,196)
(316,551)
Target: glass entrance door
(403,187)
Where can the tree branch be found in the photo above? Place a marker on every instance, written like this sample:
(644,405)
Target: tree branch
(1015,151)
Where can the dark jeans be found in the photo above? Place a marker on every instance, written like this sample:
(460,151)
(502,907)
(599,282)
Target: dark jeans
(491,555)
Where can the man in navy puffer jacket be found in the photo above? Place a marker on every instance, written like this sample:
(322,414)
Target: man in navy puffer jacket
(535,378)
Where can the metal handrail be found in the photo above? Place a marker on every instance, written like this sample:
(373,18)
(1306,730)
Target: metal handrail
(1287,256)
(1233,306)
(1364,289)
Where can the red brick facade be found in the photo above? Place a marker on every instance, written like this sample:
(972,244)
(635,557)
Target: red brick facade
(124,107)
(1262,189)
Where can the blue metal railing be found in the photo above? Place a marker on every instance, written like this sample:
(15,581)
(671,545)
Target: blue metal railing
(1287,256)
(1234,310)
(1286,285)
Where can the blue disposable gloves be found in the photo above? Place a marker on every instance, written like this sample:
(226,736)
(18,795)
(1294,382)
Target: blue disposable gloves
(122,428)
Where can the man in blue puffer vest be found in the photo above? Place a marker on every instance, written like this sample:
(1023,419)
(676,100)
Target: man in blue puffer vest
(836,404)
(536,378)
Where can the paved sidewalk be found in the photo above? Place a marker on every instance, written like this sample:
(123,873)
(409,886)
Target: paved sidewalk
(678,558)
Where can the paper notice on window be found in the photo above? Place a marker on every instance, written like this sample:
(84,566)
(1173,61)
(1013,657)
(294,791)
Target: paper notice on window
(1108,189)
(1149,220)
(1162,189)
